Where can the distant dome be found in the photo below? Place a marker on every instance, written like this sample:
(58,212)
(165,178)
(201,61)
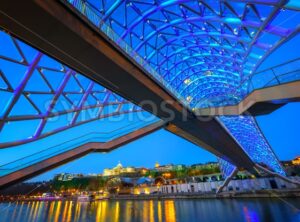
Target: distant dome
(119,165)
(157,164)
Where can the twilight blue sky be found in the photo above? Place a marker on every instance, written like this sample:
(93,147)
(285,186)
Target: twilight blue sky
(281,128)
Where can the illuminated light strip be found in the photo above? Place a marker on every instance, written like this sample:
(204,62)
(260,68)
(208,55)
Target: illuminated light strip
(246,132)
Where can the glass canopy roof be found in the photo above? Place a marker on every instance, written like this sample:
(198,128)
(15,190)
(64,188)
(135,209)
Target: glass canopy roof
(204,52)
(226,167)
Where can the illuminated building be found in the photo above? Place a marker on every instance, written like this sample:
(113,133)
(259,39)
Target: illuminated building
(67,176)
(157,164)
(169,167)
(127,171)
(296,161)
(118,170)
(292,167)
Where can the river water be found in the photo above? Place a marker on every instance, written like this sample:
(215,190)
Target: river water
(228,210)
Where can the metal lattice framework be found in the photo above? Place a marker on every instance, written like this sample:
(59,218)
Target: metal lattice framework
(204,52)
(247,133)
(46,94)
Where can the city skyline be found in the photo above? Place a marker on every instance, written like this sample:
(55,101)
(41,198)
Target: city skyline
(165,167)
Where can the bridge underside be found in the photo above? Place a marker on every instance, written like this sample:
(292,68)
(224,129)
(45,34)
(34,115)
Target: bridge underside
(68,32)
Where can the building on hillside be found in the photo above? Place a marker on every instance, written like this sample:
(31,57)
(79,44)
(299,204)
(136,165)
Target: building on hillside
(66,176)
(169,167)
(208,165)
(164,168)
(292,167)
(296,161)
(119,170)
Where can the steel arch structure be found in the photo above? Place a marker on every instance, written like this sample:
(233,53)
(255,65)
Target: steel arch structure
(197,50)
(222,36)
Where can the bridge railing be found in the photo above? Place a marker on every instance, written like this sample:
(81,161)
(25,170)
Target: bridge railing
(95,137)
(95,18)
(277,75)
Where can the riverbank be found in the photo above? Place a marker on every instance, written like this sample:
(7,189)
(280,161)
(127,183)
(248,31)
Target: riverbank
(293,193)
(287,193)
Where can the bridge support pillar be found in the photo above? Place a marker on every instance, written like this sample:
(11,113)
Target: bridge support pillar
(227,180)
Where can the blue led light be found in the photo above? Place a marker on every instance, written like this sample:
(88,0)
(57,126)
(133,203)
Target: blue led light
(171,43)
(233,20)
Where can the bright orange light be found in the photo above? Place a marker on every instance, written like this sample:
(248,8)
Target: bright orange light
(167,175)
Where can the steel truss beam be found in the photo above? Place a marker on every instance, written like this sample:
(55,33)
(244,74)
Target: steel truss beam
(150,21)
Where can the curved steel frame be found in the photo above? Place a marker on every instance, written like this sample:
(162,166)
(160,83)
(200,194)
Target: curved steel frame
(148,33)
(90,97)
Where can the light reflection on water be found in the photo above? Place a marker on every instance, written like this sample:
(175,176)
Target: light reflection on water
(250,210)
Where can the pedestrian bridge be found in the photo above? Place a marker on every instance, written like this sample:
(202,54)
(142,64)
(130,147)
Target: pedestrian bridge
(76,73)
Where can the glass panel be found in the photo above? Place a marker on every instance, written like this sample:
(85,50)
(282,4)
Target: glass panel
(173,40)
(289,77)
(284,73)
(287,68)
(262,79)
(226,167)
